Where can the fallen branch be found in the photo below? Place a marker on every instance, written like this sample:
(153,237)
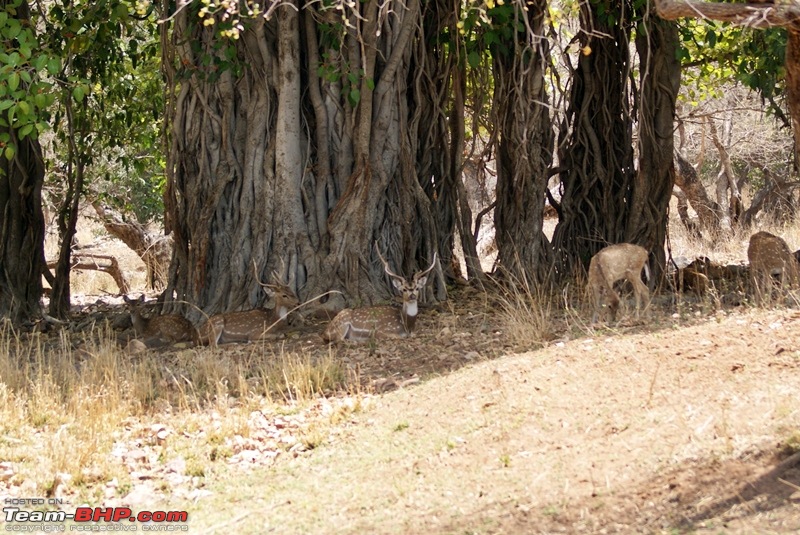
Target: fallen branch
(96,262)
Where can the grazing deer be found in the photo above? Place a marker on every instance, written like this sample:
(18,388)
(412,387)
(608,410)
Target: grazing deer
(769,255)
(362,324)
(251,325)
(159,330)
(613,263)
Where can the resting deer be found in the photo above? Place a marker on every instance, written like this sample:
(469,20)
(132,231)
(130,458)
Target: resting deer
(251,325)
(362,324)
(769,255)
(159,330)
(613,263)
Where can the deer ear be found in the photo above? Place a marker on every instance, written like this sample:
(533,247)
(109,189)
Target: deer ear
(421,281)
(398,283)
(269,290)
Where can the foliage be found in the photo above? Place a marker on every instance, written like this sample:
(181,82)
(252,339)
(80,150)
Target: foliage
(714,53)
(27,91)
(101,60)
(111,73)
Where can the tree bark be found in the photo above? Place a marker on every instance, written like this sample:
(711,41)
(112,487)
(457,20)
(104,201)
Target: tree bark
(155,251)
(296,153)
(596,153)
(68,213)
(525,150)
(658,91)
(22,226)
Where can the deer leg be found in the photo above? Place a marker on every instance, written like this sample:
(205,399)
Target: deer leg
(641,291)
(764,290)
(613,304)
(597,302)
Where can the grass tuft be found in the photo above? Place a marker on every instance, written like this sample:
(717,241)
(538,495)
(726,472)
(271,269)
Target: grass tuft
(525,313)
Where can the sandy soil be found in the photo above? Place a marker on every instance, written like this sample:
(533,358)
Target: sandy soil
(680,429)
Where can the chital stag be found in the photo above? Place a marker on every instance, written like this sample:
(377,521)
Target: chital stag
(769,256)
(159,330)
(362,324)
(613,263)
(251,325)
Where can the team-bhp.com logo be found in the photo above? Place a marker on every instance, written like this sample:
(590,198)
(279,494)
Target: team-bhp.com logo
(86,519)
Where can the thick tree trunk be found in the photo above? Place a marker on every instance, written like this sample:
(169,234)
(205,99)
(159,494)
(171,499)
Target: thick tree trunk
(22,224)
(22,230)
(294,153)
(653,183)
(525,151)
(596,153)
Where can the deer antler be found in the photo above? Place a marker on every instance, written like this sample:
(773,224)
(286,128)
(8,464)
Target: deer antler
(421,274)
(389,272)
(278,284)
(386,265)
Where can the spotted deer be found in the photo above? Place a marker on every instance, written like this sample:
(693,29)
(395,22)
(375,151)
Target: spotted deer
(159,330)
(613,263)
(376,322)
(770,256)
(251,325)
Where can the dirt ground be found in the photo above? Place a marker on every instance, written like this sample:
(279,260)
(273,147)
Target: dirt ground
(674,425)
(686,422)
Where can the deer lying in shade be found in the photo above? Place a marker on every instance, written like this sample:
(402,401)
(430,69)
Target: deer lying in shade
(368,323)
(613,263)
(770,256)
(159,330)
(251,325)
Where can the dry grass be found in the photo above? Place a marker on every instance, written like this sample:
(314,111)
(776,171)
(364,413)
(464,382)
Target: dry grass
(525,312)
(63,410)
(728,248)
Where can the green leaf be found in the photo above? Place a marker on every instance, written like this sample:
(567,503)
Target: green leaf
(121,11)
(40,100)
(25,131)
(474,59)
(10,151)
(13,81)
(12,29)
(78,93)
(53,66)
(354,96)
(23,107)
